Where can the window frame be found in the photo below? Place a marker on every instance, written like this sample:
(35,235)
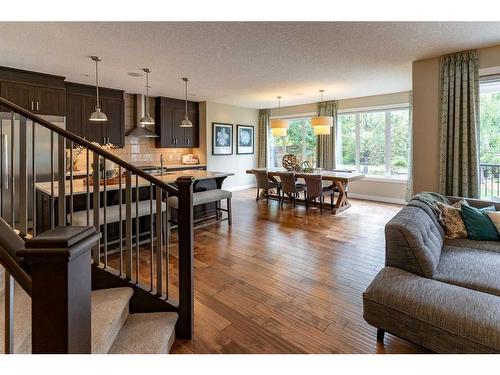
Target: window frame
(387,109)
(290,117)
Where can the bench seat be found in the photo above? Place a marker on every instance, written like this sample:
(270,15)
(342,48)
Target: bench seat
(203,197)
(113,213)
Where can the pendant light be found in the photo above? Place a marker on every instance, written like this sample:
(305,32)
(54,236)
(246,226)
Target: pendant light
(97,115)
(279,127)
(147,119)
(186,123)
(322,124)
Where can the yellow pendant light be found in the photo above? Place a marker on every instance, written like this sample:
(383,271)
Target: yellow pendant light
(322,124)
(279,127)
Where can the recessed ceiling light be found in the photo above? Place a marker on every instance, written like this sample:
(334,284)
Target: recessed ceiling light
(85,75)
(134,74)
(299,93)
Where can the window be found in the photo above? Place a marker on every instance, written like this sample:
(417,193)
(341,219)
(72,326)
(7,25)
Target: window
(300,141)
(375,143)
(489,138)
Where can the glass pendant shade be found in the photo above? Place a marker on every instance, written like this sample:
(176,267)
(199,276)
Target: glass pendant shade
(147,120)
(185,123)
(97,115)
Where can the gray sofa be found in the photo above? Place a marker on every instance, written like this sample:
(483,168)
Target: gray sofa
(439,293)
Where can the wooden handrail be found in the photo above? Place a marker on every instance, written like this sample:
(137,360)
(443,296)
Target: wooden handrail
(16,271)
(83,142)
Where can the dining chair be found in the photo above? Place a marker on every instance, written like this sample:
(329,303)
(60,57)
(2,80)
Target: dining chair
(315,190)
(290,187)
(264,183)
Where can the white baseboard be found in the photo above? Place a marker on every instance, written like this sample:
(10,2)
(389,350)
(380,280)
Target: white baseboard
(376,198)
(242,187)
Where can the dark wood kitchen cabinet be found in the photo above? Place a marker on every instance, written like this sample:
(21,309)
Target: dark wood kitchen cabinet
(168,116)
(39,93)
(81,102)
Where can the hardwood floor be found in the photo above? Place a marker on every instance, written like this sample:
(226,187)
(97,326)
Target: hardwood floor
(283,281)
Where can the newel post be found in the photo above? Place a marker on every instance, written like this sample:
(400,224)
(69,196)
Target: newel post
(185,324)
(60,262)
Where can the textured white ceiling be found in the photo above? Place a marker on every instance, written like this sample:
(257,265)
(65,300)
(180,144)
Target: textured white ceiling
(246,64)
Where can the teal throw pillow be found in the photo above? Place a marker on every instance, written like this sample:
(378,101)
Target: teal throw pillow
(479,225)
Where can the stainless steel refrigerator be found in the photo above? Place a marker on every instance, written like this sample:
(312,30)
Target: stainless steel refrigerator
(42,147)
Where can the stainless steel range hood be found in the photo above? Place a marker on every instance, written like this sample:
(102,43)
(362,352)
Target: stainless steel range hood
(141,131)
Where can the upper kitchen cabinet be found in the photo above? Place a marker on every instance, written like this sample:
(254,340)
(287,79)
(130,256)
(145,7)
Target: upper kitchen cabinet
(39,93)
(168,116)
(81,102)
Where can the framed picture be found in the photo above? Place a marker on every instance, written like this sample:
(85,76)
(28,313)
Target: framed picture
(245,139)
(222,139)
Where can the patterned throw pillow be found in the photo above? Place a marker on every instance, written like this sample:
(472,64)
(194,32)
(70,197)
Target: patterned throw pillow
(495,218)
(452,221)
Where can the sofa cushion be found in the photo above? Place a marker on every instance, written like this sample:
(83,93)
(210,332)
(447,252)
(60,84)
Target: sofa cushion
(470,268)
(479,225)
(473,244)
(413,241)
(442,317)
(495,218)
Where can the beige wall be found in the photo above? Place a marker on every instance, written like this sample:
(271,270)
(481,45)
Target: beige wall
(237,164)
(387,191)
(426,116)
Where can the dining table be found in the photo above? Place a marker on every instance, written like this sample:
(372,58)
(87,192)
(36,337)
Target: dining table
(340,179)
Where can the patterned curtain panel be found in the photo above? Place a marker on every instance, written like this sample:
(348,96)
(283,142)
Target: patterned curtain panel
(325,148)
(263,136)
(409,182)
(459,92)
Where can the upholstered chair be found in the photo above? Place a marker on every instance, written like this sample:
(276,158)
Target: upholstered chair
(290,187)
(264,183)
(316,190)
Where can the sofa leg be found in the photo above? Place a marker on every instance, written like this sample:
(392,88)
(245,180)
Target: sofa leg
(380,335)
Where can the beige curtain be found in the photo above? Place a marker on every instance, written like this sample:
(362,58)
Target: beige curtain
(263,136)
(325,149)
(459,93)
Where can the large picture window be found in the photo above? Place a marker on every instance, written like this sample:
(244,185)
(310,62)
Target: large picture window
(300,140)
(375,143)
(489,138)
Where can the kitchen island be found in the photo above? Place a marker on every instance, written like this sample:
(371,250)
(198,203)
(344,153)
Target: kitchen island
(47,196)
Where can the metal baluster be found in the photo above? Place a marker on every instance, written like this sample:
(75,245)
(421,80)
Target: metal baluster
(33,171)
(61,184)
(96,207)
(9,314)
(491,183)
(1,168)
(104,206)
(128,225)
(151,247)
(71,183)
(167,244)
(158,234)
(51,200)
(120,227)
(87,183)
(138,250)
(23,176)
(12,202)
(498,180)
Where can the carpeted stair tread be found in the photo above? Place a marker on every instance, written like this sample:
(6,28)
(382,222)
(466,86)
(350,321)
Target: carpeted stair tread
(109,312)
(22,321)
(147,333)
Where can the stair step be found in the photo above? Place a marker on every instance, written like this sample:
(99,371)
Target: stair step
(109,312)
(22,321)
(146,333)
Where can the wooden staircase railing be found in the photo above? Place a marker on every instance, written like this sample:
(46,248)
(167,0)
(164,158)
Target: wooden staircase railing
(143,255)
